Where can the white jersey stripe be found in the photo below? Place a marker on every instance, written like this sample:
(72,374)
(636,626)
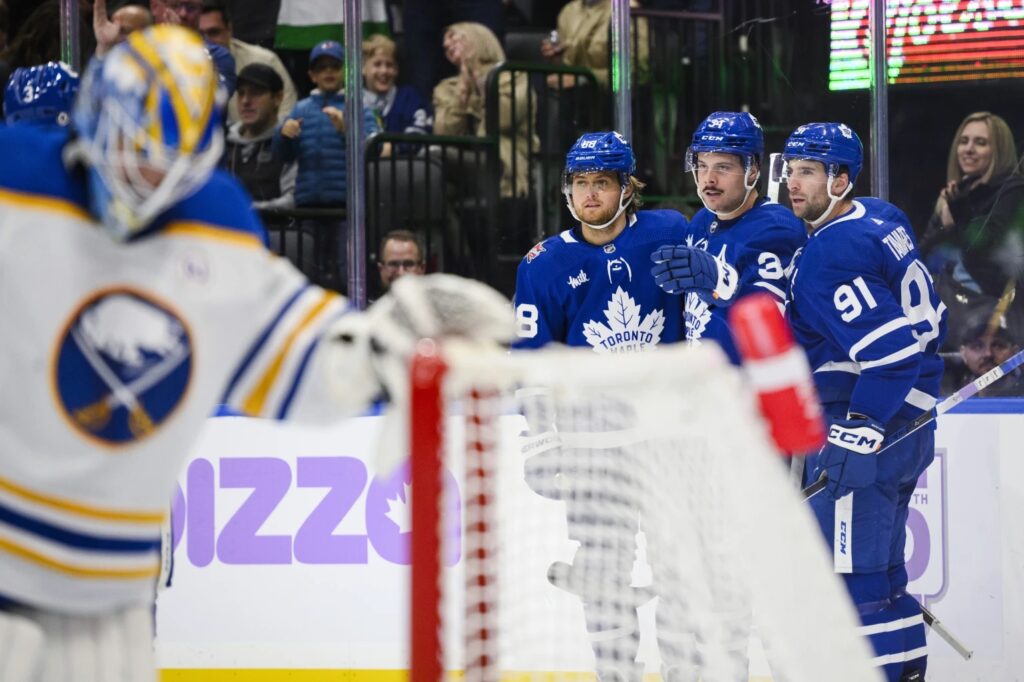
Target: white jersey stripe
(871,337)
(900,657)
(891,626)
(772,288)
(902,354)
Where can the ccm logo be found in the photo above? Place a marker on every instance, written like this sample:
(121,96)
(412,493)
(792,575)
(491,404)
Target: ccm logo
(842,537)
(862,443)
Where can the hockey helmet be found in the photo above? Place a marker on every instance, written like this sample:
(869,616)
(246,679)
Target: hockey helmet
(596,152)
(832,144)
(727,132)
(149,119)
(41,94)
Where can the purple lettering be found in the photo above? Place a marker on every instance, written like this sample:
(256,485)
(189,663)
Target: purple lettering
(917,564)
(199,514)
(269,479)
(315,542)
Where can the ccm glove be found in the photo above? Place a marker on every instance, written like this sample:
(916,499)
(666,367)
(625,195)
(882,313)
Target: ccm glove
(678,269)
(849,457)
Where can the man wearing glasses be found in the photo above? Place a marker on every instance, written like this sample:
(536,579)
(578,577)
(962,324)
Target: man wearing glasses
(399,254)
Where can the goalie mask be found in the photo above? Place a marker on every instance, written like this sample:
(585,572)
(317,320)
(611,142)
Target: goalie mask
(42,94)
(728,132)
(596,153)
(149,119)
(834,145)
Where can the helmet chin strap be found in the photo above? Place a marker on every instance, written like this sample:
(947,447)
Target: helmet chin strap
(833,200)
(623,204)
(727,215)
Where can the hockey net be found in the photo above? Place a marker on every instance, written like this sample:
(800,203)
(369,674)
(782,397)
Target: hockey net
(577,514)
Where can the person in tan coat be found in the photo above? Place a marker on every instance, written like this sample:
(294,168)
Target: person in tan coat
(459,102)
(583,40)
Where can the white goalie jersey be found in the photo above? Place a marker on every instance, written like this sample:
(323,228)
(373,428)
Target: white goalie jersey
(113,355)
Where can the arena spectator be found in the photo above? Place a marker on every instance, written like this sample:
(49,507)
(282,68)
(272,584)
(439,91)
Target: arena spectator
(126,18)
(399,254)
(424,23)
(314,132)
(314,136)
(249,152)
(216,27)
(981,350)
(459,102)
(583,32)
(979,215)
(399,108)
(187,13)
(131,17)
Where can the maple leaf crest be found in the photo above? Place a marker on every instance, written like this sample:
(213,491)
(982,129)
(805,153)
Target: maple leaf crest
(398,509)
(625,330)
(697,314)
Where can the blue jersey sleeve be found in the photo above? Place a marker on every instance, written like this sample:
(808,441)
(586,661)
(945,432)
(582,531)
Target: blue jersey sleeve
(539,320)
(851,303)
(761,262)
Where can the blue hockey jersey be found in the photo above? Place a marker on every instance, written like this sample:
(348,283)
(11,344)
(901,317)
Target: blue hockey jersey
(760,244)
(580,294)
(864,308)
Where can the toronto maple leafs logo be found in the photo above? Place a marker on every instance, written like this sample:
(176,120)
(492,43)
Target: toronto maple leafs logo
(845,130)
(625,332)
(697,314)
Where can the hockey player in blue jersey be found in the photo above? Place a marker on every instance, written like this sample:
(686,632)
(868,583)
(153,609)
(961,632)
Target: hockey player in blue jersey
(588,286)
(864,308)
(739,242)
(137,295)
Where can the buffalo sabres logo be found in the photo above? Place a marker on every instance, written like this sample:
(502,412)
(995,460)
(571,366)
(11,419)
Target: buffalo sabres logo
(122,366)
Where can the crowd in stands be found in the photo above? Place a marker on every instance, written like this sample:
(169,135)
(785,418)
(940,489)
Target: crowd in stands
(287,114)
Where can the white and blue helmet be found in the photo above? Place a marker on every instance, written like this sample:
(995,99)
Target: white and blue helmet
(149,119)
(43,94)
(834,145)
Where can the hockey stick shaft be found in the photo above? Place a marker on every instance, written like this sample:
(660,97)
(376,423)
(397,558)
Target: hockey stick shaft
(968,391)
(938,628)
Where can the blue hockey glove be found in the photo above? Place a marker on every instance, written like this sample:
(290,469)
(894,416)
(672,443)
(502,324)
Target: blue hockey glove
(678,269)
(849,455)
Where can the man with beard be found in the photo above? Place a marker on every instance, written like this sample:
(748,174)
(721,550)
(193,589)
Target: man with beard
(569,287)
(865,310)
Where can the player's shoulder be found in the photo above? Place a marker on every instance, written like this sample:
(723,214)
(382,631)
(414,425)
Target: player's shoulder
(222,204)
(34,166)
(546,253)
(776,214)
(879,209)
(660,224)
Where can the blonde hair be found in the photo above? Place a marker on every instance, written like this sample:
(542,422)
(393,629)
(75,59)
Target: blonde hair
(487,51)
(1004,149)
(379,43)
(636,201)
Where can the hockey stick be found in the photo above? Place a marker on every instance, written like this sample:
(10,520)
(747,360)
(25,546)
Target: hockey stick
(938,628)
(968,391)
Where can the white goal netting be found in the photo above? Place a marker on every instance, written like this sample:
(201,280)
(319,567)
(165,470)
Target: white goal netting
(613,515)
